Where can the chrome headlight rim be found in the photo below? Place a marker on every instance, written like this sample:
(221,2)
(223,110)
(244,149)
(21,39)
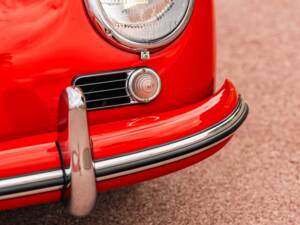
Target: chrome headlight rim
(114,37)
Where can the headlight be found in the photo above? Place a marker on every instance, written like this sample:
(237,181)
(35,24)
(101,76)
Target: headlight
(140,24)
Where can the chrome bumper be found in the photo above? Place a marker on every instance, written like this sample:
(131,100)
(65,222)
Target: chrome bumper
(81,173)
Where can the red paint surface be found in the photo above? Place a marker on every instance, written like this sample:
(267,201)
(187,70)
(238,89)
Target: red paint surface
(125,136)
(39,153)
(156,129)
(45,44)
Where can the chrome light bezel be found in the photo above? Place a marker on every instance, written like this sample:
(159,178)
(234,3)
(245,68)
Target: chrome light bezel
(131,80)
(107,31)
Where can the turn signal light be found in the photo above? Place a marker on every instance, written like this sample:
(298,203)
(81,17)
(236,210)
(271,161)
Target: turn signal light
(144,85)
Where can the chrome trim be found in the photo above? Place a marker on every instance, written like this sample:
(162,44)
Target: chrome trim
(140,169)
(102,99)
(83,181)
(107,31)
(16,184)
(28,193)
(107,73)
(106,90)
(34,178)
(145,159)
(104,82)
(112,106)
(163,151)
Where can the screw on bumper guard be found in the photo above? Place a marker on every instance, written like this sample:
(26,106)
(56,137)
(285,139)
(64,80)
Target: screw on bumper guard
(74,141)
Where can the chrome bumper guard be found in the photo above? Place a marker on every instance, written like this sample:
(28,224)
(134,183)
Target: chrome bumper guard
(83,172)
(74,141)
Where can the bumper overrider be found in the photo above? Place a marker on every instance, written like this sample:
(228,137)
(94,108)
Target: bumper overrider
(84,165)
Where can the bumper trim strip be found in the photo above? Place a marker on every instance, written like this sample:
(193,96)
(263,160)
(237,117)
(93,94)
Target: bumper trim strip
(30,184)
(174,151)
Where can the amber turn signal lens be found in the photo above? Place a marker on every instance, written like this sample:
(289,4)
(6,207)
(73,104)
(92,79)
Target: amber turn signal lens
(144,85)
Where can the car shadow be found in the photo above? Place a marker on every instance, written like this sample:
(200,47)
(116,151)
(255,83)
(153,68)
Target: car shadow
(107,207)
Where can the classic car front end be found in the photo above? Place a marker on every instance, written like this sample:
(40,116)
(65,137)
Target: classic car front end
(101,94)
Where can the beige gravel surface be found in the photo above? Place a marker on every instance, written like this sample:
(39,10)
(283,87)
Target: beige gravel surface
(256,179)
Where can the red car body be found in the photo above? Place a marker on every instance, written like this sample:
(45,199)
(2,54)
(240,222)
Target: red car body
(46,44)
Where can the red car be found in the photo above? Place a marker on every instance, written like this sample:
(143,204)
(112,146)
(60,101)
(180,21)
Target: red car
(100,94)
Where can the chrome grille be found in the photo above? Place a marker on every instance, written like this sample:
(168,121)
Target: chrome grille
(105,90)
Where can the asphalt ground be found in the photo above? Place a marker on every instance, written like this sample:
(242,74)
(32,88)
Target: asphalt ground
(256,179)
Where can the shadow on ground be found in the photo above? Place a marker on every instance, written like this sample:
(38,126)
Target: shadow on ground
(107,208)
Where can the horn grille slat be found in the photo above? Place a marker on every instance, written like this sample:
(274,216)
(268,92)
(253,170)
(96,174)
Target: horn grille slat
(105,90)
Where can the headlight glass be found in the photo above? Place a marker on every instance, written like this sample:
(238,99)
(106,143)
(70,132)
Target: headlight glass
(141,24)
